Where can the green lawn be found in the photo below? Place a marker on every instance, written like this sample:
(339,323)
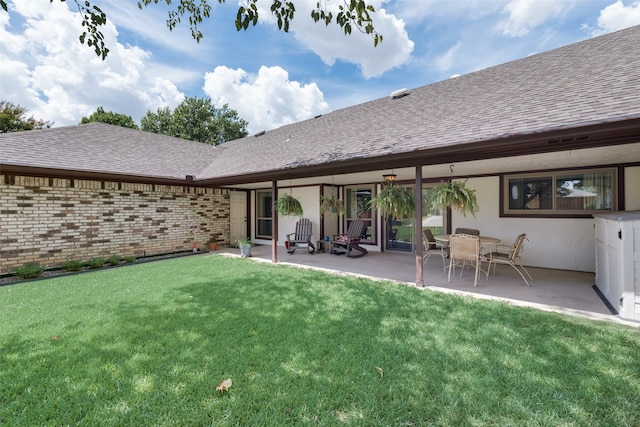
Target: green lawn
(148,344)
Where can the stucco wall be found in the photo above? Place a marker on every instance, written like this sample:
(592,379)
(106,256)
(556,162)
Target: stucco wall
(309,198)
(562,243)
(51,221)
(632,188)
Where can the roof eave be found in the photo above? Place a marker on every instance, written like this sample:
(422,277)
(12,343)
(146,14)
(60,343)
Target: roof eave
(574,138)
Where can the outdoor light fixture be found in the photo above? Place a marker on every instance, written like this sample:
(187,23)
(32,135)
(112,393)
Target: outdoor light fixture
(389,177)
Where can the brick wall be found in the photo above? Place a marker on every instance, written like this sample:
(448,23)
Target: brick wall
(50,220)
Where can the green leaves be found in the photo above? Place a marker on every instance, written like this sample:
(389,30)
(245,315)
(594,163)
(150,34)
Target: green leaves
(287,205)
(352,13)
(355,13)
(92,18)
(13,118)
(394,201)
(110,117)
(197,119)
(457,195)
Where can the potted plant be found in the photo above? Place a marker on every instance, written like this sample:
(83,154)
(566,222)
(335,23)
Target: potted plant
(287,205)
(213,245)
(394,201)
(245,247)
(456,195)
(331,204)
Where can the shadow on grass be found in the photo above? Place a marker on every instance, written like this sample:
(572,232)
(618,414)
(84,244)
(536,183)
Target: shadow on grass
(305,347)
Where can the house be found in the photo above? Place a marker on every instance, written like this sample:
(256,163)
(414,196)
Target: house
(546,141)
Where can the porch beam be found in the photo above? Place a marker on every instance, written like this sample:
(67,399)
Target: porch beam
(418,228)
(274,222)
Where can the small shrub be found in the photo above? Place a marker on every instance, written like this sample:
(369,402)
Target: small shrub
(129,259)
(114,259)
(73,265)
(96,262)
(30,270)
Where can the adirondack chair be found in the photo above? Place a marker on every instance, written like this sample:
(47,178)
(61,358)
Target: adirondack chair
(302,236)
(350,241)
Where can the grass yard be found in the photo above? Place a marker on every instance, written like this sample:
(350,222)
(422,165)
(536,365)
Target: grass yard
(148,344)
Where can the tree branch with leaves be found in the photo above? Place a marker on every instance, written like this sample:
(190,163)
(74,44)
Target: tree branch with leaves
(352,14)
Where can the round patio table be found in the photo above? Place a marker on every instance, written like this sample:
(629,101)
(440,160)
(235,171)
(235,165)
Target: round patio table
(484,240)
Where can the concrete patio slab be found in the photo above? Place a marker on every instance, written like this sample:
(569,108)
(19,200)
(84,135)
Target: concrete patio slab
(567,292)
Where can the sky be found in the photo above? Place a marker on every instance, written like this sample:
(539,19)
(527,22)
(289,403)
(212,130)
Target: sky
(269,77)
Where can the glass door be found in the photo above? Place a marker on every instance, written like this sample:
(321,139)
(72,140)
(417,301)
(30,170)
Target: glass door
(400,235)
(358,198)
(264,206)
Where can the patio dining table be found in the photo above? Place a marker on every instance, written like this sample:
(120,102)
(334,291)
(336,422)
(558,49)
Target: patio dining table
(484,240)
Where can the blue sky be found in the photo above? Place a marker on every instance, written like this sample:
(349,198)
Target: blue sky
(270,77)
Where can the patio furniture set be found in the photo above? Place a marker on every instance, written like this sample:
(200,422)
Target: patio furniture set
(466,247)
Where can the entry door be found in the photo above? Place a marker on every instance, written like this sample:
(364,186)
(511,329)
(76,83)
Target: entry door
(238,216)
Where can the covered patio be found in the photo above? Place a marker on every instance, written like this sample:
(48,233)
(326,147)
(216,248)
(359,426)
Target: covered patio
(561,291)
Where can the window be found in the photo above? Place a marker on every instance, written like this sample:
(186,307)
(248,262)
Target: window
(358,207)
(561,193)
(264,205)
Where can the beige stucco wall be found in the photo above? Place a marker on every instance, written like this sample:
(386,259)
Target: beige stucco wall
(632,188)
(561,243)
(51,221)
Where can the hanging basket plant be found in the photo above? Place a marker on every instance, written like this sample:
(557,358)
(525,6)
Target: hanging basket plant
(287,205)
(394,201)
(331,204)
(456,195)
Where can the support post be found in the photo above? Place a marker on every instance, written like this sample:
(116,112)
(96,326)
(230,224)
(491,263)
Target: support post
(418,228)
(274,222)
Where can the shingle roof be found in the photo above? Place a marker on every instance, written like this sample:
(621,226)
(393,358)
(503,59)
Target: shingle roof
(103,148)
(597,80)
(590,82)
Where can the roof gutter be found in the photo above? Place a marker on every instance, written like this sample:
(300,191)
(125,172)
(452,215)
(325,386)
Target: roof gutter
(8,169)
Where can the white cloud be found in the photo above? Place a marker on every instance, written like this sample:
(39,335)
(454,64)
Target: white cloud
(331,44)
(432,12)
(266,100)
(618,16)
(448,60)
(524,15)
(56,78)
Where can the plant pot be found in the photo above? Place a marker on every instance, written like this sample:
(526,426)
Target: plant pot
(245,251)
(213,246)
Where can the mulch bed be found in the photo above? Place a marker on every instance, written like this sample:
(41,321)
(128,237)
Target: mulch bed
(11,279)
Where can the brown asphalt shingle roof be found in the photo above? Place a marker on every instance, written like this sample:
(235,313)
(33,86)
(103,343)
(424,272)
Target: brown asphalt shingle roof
(103,148)
(594,81)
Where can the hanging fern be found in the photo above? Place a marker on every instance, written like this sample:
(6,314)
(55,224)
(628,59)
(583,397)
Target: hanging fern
(332,205)
(457,195)
(287,205)
(395,202)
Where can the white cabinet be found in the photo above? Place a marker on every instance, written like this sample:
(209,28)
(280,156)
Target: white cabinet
(618,261)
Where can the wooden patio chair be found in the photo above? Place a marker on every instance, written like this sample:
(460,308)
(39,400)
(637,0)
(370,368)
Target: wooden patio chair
(509,255)
(431,247)
(463,248)
(302,236)
(350,241)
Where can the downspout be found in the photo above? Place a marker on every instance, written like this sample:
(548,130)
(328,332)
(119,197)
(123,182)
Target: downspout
(418,228)
(274,222)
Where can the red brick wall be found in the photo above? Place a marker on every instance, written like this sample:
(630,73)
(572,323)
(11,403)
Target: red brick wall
(50,220)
